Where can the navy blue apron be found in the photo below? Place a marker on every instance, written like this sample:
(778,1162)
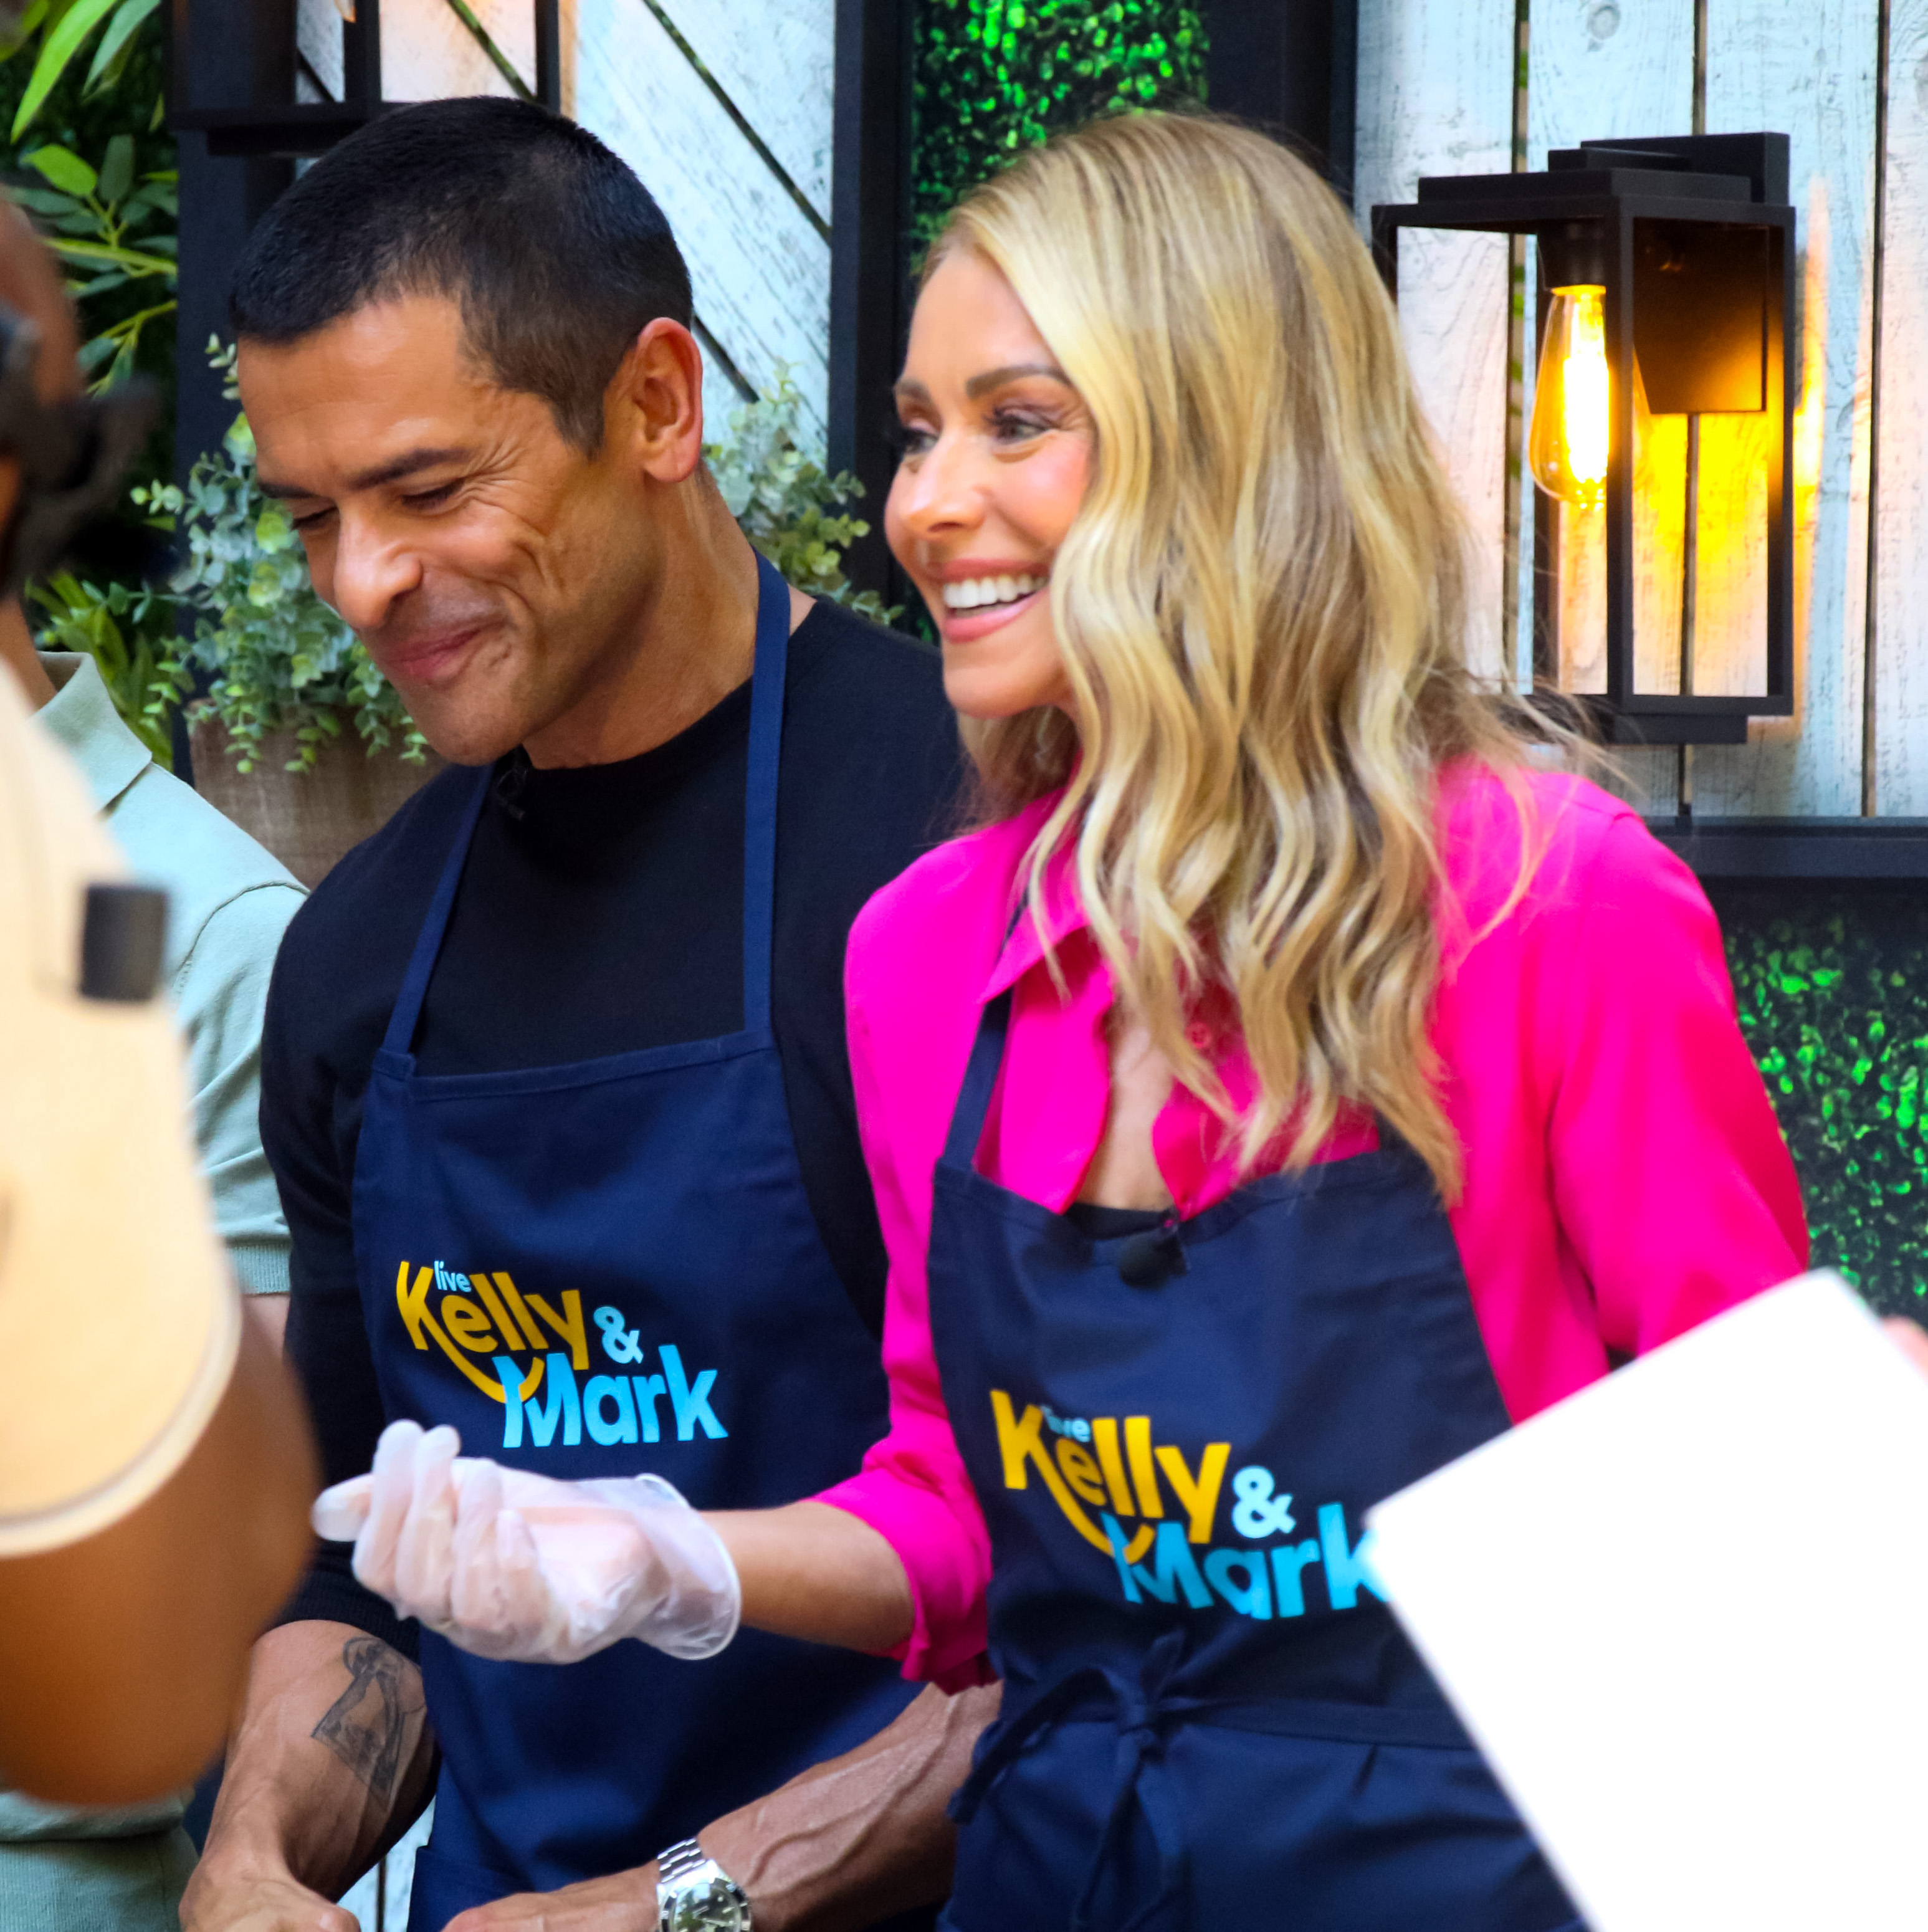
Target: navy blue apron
(594,1270)
(1210,1718)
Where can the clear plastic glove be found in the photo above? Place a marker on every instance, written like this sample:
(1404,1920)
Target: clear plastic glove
(520,1568)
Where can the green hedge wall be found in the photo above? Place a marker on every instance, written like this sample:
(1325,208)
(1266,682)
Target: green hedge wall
(1832,985)
(993,76)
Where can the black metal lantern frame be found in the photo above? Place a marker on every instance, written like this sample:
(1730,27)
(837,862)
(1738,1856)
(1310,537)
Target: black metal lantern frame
(1694,240)
(295,128)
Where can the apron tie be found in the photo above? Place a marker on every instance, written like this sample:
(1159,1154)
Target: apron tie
(1143,1709)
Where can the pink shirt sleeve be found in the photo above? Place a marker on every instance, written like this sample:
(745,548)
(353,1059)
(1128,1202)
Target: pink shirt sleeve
(913,1489)
(1671,1180)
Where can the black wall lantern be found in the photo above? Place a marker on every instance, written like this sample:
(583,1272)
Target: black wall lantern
(1666,282)
(266,119)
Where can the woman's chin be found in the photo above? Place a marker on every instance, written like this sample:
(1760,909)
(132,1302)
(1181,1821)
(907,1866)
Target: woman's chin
(984,693)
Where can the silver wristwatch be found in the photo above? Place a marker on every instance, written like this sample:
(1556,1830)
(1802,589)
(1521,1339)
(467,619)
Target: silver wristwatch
(694,1894)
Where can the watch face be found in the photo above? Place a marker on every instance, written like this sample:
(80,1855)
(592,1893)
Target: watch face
(708,1902)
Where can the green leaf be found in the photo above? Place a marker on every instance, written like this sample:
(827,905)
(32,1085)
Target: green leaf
(120,29)
(274,529)
(117,170)
(63,167)
(56,51)
(44,201)
(24,29)
(136,261)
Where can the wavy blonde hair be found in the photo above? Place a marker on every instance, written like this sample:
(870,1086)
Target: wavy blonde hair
(1262,608)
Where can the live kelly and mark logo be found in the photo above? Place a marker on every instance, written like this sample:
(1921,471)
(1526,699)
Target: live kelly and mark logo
(484,1315)
(1090,1465)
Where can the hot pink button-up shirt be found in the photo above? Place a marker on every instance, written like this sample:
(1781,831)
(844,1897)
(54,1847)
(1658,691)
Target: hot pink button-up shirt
(1625,1177)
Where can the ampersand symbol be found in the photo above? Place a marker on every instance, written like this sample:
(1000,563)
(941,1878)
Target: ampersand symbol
(1258,1513)
(617,1346)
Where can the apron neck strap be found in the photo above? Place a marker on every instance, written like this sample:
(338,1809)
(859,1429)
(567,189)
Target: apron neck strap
(400,1035)
(980,1082)
(760,833)
(759,799)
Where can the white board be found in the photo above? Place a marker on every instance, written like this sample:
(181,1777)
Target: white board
(1808,70)
(428,53)
(318,38)
(1901,594)
(760,269)
(775,59)
(1435,97)
(1680,1613)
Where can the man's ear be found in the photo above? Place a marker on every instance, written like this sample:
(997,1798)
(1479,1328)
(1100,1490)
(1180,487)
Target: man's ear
(654,408)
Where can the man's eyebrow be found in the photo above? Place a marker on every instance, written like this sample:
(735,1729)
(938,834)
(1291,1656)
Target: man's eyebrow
(993,378)
(393,471)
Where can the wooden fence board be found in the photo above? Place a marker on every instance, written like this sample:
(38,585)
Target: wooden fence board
(1808,70)
(761,271)
(774,59)
(1901,584)
(318,37)
(429,54)
(1605,69)
(1435,97)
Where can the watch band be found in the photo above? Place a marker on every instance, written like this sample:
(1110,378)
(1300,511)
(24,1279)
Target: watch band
(694,1894)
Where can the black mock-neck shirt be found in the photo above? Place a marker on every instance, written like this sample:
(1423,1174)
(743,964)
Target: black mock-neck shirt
(600,912)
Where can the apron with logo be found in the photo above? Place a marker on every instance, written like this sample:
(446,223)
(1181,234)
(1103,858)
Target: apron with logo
(1210,1718)
(594,1270)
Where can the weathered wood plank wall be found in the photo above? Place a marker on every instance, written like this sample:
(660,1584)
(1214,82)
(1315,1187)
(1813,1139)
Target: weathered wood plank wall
(1435,97)
(724,111)
(1436,87)
(1901,588)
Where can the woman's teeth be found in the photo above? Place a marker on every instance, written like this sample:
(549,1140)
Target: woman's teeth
(972,593)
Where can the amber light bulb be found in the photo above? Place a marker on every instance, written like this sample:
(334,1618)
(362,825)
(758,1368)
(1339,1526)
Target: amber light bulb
(1567,446)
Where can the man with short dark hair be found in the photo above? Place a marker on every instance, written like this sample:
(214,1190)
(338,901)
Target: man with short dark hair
(555,1084)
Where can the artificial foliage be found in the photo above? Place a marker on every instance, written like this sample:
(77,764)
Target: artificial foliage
(992,77)
(1832,987)
(771,476)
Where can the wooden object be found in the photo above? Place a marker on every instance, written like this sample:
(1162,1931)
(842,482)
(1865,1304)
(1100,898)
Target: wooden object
(1811,70)
(1436,96)
(760,260)
(1901,557)
(306,819)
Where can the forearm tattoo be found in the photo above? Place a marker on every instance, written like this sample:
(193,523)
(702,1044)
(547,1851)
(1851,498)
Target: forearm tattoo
(369,1726)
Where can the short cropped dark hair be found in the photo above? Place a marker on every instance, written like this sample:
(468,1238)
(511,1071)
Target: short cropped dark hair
(557,254)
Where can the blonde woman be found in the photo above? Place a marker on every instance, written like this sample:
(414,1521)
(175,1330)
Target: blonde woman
(1285,1089)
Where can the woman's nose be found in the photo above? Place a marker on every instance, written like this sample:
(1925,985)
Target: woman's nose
(944,492)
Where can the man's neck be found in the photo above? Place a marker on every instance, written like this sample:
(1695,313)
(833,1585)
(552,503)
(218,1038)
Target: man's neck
(17,653)
(695,643)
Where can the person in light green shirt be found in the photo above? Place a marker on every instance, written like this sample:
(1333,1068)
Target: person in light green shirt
(64,1869)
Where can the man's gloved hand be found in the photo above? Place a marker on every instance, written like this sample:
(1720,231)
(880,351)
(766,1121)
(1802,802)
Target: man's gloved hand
(520,1568)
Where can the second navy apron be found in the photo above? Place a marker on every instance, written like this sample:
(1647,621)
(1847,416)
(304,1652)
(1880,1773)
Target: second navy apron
(594,1270)
(1210,1718)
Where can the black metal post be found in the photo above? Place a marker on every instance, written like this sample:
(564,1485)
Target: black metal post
(870,183)
(1290,66)
(1619,326)
(549,54)
(226,50)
